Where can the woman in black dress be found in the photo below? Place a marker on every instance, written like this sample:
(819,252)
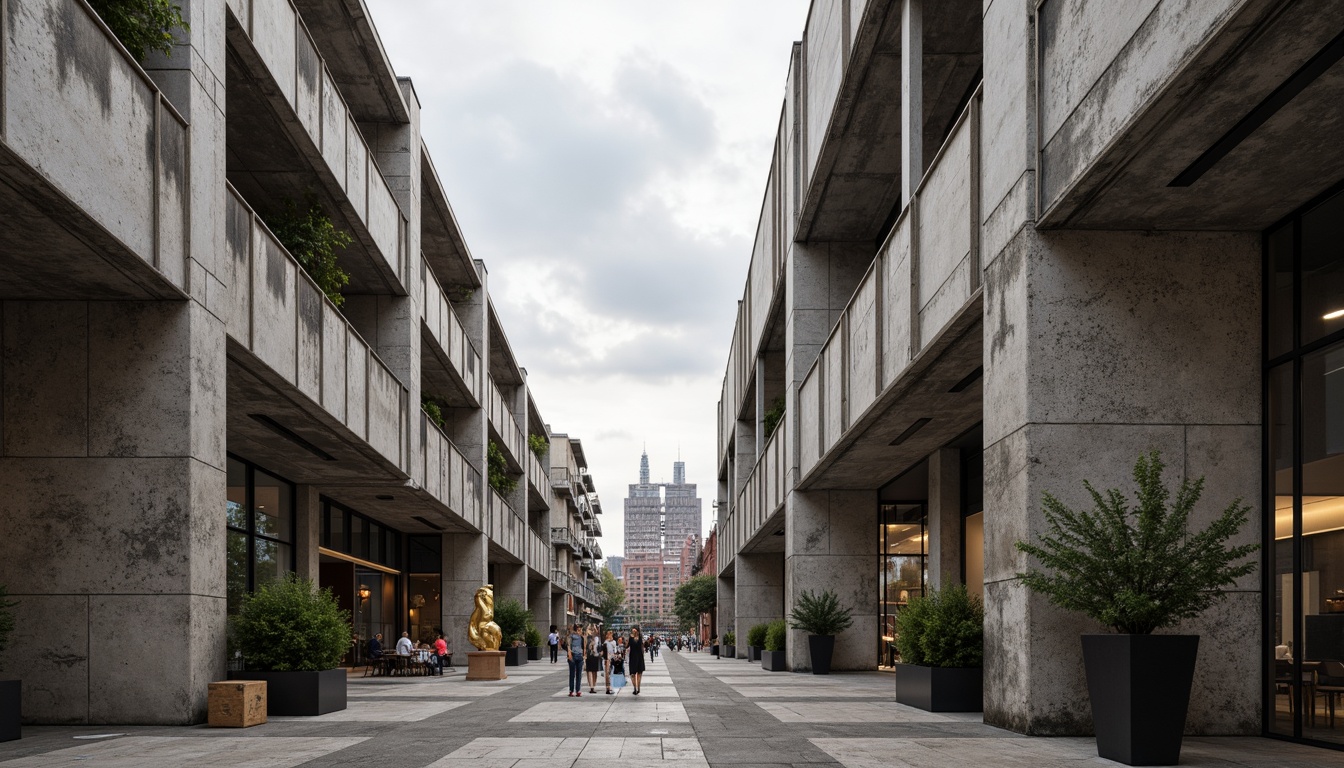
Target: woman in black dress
(636,657)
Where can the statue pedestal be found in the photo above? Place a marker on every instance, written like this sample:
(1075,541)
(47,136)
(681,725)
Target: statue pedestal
(485,665)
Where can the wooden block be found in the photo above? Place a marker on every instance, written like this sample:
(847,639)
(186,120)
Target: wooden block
(238,703)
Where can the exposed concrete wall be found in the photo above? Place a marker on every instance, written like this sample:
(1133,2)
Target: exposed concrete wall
(944,527)
(1089,362)
(829,543)
(307,531)
(510,582)
(726,611)
(465,570)
(760,592)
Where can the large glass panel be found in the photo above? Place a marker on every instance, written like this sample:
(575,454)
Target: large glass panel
(425,608)
(1323,269)
(271,559)
(1279,558)
(359,540)
(375,542)
(274,500)
(903,567)
(1279,285)
(235,570)
(236,498)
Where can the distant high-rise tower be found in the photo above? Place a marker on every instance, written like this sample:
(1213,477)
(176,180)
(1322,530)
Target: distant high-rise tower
(644,469)
(678,472)
(659,519)
(643,515)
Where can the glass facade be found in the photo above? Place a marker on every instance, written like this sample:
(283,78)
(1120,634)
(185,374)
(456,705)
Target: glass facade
(362,563)
(259,514)
(1304,473)
(903,544)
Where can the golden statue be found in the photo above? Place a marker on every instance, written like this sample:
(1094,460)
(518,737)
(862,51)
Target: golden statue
(483,632)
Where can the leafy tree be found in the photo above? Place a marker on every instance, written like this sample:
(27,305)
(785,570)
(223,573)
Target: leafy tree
(313,240)
(6,618)
(819,614)
(291,625)
(610,594)
(142,25)
(513,619)
(698,595)
(1143,569)
(944,628)
(498,470)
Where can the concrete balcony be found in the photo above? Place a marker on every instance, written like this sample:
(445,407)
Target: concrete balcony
(503,422)
(297,339)
(448,476)
(94,179)
(560,482)
(538,496)
(563,537)
(451,346)
(762,495)
(275,47)
(918,301)
(509,532)
(597,550)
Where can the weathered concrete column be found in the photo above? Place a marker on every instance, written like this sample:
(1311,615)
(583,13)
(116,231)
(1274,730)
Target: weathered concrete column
(307,531)
(944,526)
(830,543)
(725,618)
(912,97)
(539,600)
(465,569)
(760,591)
(510,582)
(560,610)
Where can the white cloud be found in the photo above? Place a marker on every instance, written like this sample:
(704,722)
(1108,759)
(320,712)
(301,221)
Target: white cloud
(606,159)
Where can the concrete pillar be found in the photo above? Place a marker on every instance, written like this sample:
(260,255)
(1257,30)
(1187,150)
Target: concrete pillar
(830,542)
(560,610)
(726,612)
(912,97)
(539,601)
(944,523)
(112,472)
(1091,361)
(307,531)
(511,582)
(760,591)
(465,568)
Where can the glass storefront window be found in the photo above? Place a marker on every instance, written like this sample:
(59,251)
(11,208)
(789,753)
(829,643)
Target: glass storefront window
(257,548)
(273,501)
(903,544)
(1322,260)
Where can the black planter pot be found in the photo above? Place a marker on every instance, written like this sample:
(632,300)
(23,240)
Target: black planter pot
(754,652)
(300,693)
(730,651)
(772,661)
(821,648)
(515,656)
(11,709)
(941,689)
(534,653)
(1140,691)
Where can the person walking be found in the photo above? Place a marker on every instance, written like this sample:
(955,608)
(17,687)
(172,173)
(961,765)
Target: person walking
(553,640)
(593,653)
(610,656)
(636,658)
(574,654)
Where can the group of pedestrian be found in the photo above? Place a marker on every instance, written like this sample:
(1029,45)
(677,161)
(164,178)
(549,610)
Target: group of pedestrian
(608,654)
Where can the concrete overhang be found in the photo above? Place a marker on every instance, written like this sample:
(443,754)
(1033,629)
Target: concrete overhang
(1245,133)
(439,376)
(503,365)
(865,458)
(347,39)
(576,447)
(441,239)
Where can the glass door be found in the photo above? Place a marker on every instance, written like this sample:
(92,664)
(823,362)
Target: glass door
(903,544)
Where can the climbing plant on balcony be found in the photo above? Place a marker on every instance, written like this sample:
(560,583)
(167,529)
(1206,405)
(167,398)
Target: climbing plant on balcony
(773,416)
(310,237)
(142,25)
(432,410)
(538,445)
(498,471)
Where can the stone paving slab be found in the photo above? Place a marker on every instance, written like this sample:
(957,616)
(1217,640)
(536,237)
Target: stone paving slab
(138,751)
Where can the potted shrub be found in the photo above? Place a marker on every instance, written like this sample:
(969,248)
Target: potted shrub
(729,645)
(940,637)
(756,641)
(513,619)
(11,691)
(772,658)
(822,618)
(533,639)
(1137,571)
(293,635)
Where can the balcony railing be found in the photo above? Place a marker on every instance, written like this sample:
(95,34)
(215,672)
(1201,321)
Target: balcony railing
(501,418)
(923,276)
(564,538)
(560,481)
(82,115)
(447,330)
(447,474)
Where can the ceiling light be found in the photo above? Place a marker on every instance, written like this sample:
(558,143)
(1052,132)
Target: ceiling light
(1333,315)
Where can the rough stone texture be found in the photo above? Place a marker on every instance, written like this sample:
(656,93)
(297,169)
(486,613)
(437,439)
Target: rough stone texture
(465,569)
(759,597)
(945,539)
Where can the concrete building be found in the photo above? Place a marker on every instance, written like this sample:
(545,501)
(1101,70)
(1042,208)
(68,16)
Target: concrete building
(1008,246)
(186,415)
(575,510)
(659,518)
(613,563)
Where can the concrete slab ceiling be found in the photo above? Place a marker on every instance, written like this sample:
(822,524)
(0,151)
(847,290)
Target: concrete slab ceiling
(441,239)
(349,43)
(1262,171)
(503,365)
(438,378)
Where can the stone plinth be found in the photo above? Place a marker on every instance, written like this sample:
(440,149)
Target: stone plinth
(486,665)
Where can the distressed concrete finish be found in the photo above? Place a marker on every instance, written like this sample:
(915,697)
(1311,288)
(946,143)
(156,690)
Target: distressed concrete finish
(465,560)
(759,597)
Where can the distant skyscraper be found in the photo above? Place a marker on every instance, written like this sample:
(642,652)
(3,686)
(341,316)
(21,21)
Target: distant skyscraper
(659,518)
(643,515)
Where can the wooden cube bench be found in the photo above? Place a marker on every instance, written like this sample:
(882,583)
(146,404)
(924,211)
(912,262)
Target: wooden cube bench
(238,703)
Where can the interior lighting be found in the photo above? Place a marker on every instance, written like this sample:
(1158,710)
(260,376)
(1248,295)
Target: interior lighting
(364,592)
(1333,315)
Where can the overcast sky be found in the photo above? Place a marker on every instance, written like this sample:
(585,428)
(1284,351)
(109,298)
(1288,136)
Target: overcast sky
(607,161)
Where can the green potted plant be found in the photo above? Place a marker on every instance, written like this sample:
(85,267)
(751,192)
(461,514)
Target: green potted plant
(772,658)
(513,619)
(729,645)
(11,691)
(533,639)
(1138,570)
(940,637)
(822,618)
(293,636)
(756,641)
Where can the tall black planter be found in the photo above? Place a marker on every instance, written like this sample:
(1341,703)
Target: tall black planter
(821,648)
(11,709)
(754,652)
(534,653)
(730,651)
(300,693)
(940,689)
(772,661)
(515,656)
(1140,691)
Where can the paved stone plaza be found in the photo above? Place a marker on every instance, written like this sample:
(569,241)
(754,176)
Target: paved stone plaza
(694,710)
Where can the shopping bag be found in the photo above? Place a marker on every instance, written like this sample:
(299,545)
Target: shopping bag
(618,680)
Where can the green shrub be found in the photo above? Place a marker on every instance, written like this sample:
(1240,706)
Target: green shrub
(944,628)
(532,636)
(498,471)
(773,416)
(1138,570)
(142,25)
(729,638)
(6,618)
(538,445)
(291,625)
(776,635)
(756,635)
(312,239)
(432,410)
(819,614)
(513,620)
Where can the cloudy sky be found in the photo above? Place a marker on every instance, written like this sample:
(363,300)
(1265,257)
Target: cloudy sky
(607,161)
